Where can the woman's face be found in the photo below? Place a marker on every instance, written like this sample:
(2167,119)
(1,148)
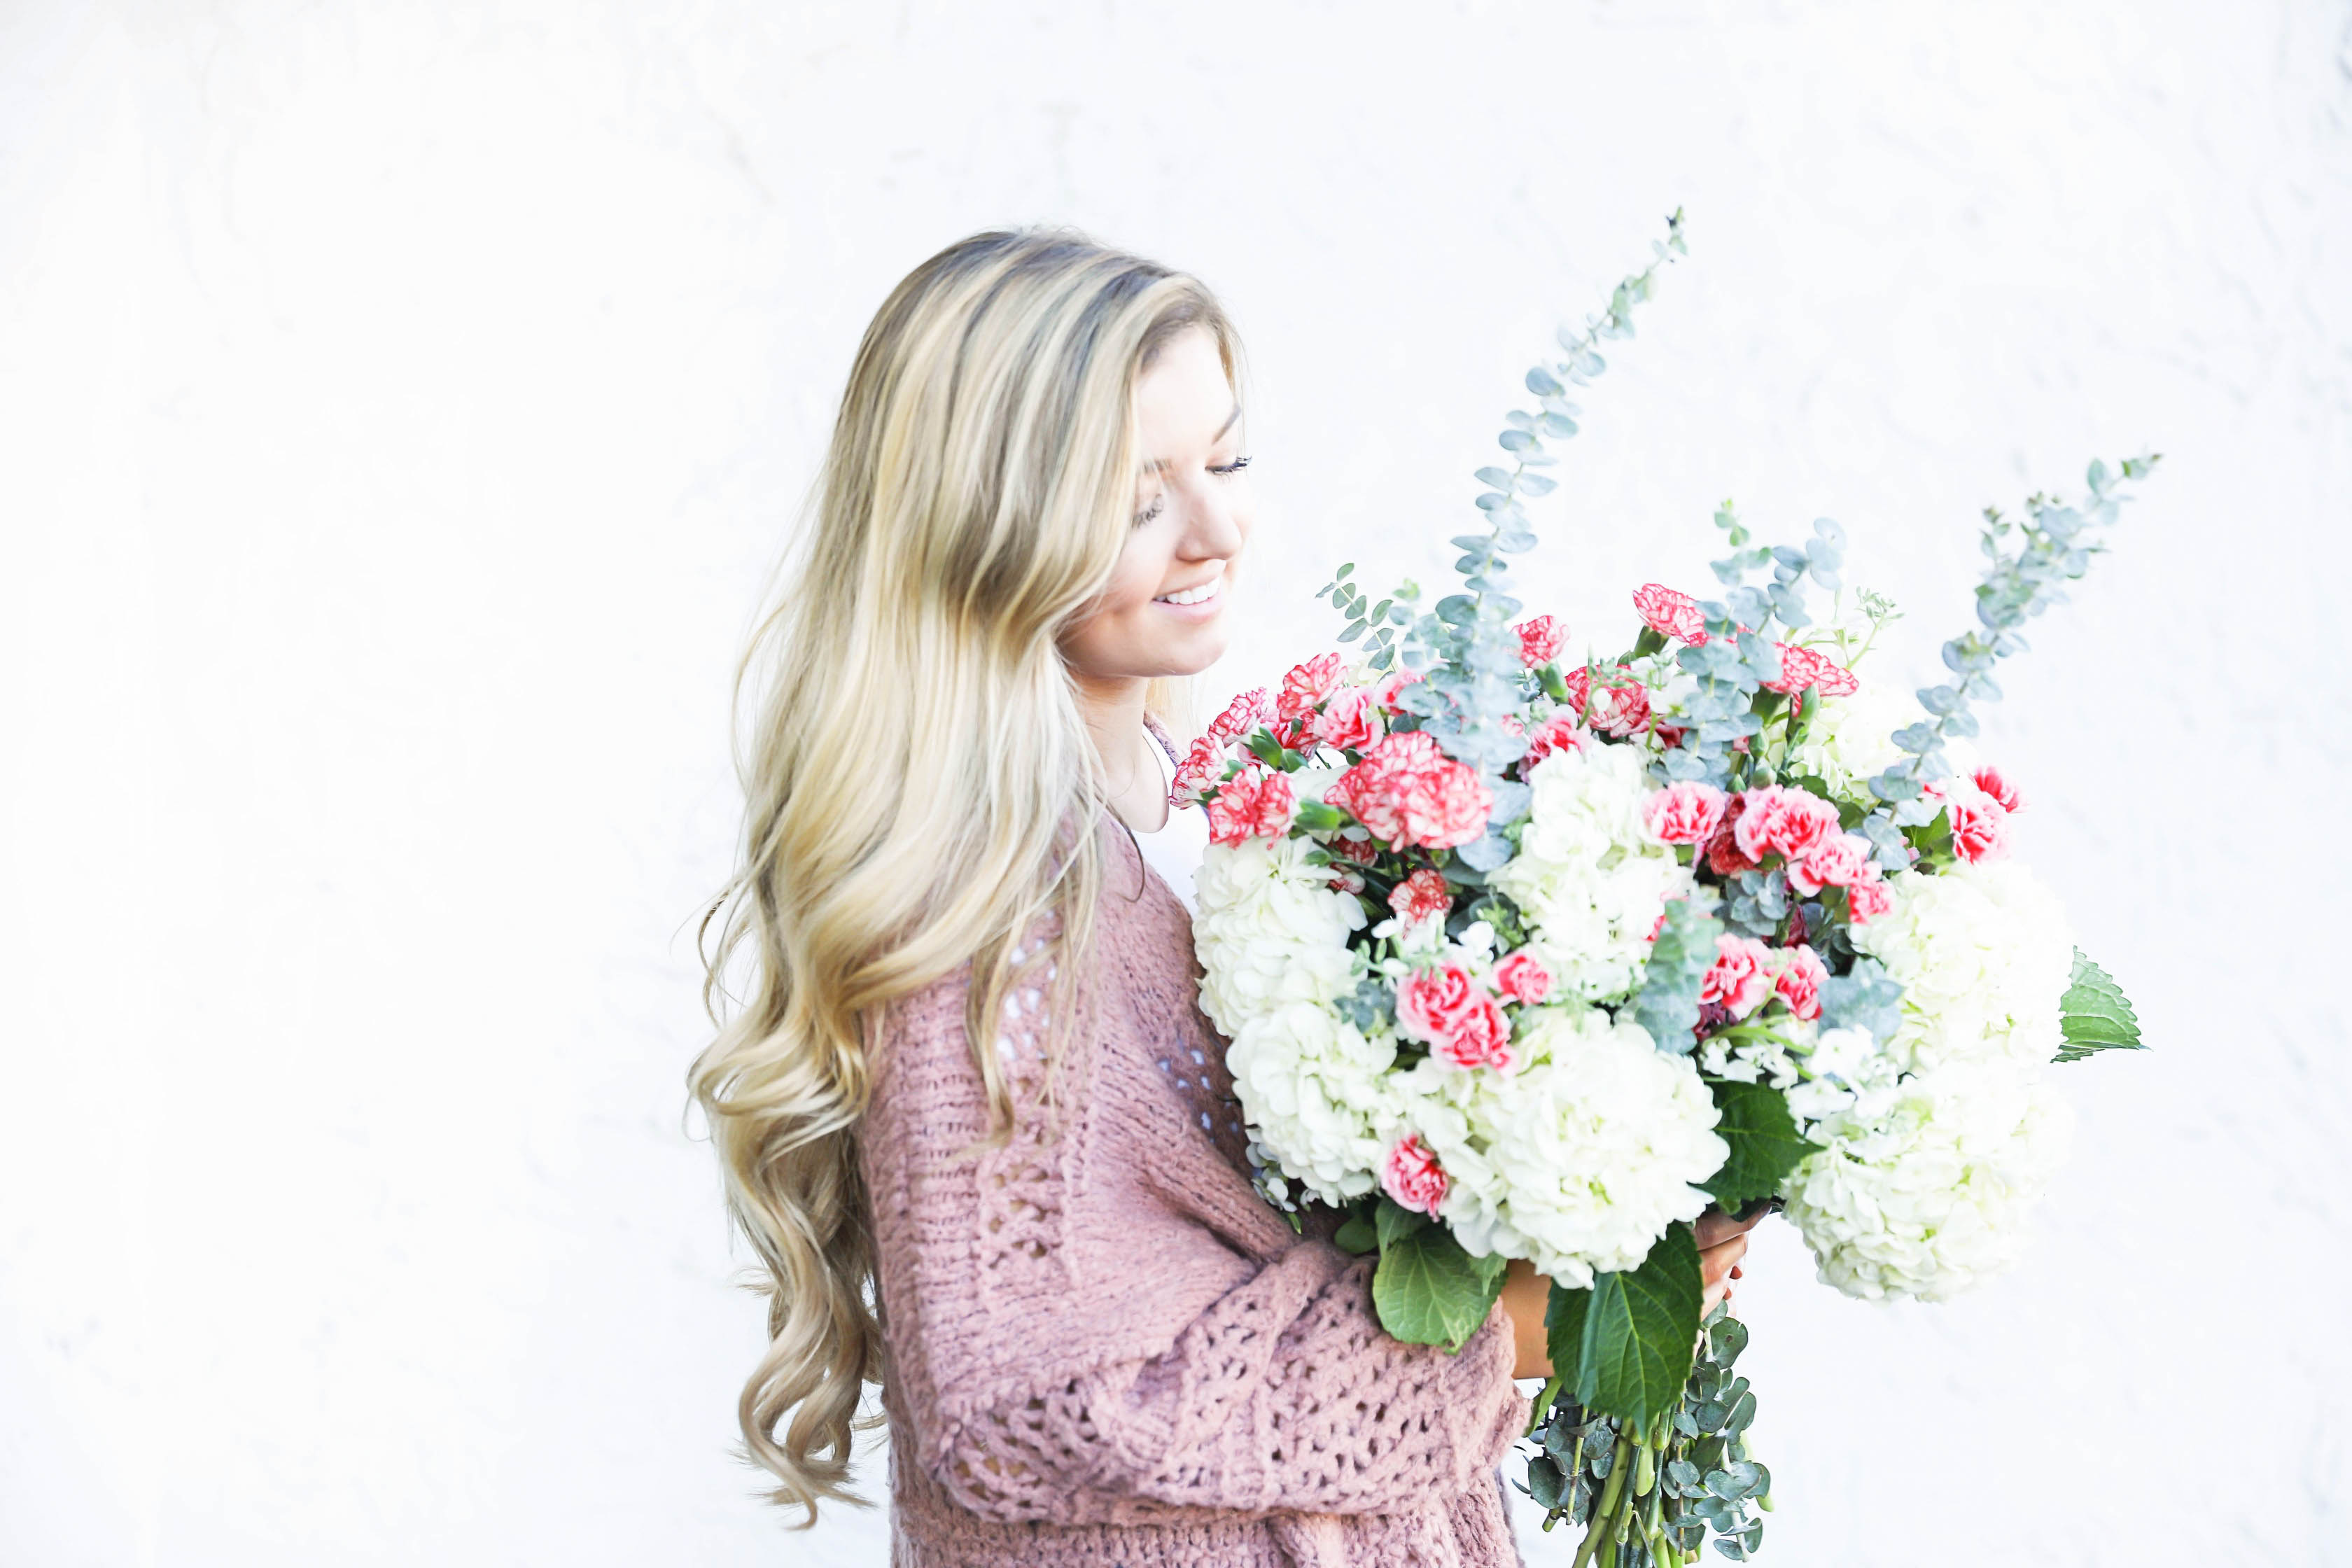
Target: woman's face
(1164,612)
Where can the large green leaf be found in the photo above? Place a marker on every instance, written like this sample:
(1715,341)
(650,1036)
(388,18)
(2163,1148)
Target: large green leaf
(1428,1292)
(1640,1332)
(2094,1015)
(1765,1145)
(1564,1316)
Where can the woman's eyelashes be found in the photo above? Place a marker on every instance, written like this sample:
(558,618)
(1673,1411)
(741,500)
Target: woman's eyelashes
(1160,501)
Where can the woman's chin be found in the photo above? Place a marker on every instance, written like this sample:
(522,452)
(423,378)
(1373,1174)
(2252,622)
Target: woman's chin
(1194,654)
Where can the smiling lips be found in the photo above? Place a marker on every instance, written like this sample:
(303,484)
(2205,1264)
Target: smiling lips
(1199,594)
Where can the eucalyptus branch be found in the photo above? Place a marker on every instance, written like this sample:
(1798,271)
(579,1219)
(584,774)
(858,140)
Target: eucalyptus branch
(2018,586)
(1524,434)
(1465,640)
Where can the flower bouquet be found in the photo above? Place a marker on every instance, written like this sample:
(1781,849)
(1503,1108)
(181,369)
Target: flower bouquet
(1520,956)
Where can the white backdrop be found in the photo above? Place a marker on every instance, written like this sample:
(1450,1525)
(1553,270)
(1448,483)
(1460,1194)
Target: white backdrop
(400,406)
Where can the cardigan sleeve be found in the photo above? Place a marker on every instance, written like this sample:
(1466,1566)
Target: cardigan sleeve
(1097,1321)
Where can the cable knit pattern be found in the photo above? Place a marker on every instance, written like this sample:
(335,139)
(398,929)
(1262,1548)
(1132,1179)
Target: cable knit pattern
(1103,1346)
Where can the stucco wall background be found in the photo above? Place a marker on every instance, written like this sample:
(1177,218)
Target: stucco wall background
(400,406)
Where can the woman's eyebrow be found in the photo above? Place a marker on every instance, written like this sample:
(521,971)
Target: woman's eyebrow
(1159,465)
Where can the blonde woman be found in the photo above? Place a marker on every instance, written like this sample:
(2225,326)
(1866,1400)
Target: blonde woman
(969,1112)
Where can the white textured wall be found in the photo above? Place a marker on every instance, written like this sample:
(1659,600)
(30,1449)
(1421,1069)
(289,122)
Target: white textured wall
(399,405)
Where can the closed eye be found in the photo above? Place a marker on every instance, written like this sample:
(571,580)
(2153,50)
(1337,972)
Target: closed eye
(1236,466)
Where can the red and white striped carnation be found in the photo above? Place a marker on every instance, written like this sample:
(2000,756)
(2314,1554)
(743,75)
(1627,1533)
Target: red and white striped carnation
(1307,684)
(1670,614)
(1540,639)
(1421,897)
(1409,793)
(1740,979)
(1412,1175)
(1255,803)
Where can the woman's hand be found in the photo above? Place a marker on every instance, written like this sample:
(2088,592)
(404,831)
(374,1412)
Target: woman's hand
(1722,1243)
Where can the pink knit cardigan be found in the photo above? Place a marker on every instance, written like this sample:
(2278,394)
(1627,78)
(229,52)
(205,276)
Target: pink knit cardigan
(1103,1347)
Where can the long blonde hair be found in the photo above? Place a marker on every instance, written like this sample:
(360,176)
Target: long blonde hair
(919,782)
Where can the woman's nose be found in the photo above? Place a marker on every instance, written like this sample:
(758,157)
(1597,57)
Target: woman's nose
(1214,530)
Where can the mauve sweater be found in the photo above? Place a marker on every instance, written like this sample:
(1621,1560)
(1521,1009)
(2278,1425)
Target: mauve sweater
(1102,1346)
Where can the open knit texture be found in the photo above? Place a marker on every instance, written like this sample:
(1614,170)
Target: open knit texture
(1102,1345)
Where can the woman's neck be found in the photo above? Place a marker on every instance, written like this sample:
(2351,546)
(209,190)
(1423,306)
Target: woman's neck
(1113,711)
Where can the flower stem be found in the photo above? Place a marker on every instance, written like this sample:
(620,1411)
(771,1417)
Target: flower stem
(1603,1519)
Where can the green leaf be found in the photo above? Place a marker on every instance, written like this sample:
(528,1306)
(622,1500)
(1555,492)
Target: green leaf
(1265,748)
(1651,641)
(1640,1332)
(1428,1292)
(1316,818)
(1564,1316)
(1765,1144)
(1393,1222)
(2094,1015)
(1356,1235)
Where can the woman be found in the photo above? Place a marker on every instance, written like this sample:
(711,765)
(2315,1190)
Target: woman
(969,1112)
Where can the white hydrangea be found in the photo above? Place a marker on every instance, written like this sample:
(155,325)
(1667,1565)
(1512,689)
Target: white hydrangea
(1318,1094)
(1579,1161)
(1983,954)
(1270,929)
(1922,1188)
(1852,737)
(1589,874)
(1766,1061)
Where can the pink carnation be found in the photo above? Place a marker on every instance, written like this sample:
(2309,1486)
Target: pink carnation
(1241,715)
(1432,1002)
(1362,851)
(1800,981)
(1523,978)
(1840,860)
(1670,614)
(1561,732)
(1686,811)
(1412,1175)
(1255,803)
(1350,720)
(1801,668)
(1740,980)
(1866,901)
(1421,895)
(1200,768)
(1481,1037)
(1979,826)
(1384,691)
(1987,779)
(1613,707)
(1408,791)
(1776,820)
(1307,684)
(1540,640)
